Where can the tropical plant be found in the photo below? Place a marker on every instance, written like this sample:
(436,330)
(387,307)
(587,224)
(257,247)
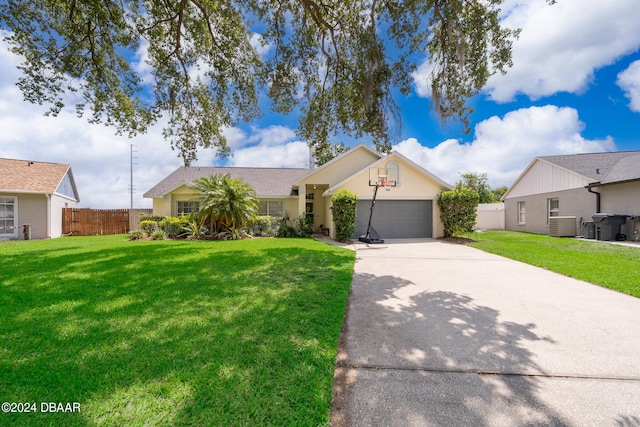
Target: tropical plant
(195,228)
(233,233)
(228,202)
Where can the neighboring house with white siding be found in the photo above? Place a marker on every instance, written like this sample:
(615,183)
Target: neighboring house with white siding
(579,185)
(34,193)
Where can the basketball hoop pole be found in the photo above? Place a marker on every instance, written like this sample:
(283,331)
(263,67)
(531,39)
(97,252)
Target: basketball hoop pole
(367,237)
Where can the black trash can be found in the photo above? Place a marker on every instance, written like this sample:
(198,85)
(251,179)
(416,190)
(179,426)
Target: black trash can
(588,230)
(608,226)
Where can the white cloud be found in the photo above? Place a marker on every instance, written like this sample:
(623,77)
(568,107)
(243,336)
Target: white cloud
(503,147)
(236,137)
(272,135)
(561,45)
(629,81)
(290,155)
(422,79)
(258,43)
(140,64)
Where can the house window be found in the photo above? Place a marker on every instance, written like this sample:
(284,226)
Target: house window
(187,208)
(521,213)
(270,208)
(554,208)
(8,227)
(393,171)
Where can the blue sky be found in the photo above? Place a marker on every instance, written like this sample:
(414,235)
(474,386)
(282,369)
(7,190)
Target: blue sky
(574,88)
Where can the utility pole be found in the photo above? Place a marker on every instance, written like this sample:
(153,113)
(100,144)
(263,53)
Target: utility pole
(131,187)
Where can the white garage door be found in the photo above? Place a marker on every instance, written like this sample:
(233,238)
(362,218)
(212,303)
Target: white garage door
(395,218)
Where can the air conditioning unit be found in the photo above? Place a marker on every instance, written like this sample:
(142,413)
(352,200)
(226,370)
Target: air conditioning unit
(562,226)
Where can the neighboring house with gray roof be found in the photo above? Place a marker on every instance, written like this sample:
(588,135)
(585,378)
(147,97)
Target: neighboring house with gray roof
(579,185)
(406,210)
(34,193)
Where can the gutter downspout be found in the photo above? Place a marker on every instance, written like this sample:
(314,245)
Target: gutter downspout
(48,233)
(590,190)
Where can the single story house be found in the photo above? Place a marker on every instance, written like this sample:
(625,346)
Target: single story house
(34,193)
(406,210)
(579,185)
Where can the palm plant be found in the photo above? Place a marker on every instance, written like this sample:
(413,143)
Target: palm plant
(229,202)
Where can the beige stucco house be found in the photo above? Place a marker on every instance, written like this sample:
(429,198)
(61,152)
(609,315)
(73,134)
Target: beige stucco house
(407,210)
(579,185)
(34,193)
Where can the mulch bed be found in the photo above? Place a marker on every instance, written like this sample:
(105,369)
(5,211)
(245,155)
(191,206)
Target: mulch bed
(456,239)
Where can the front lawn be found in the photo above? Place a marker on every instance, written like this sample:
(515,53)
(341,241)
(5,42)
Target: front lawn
(171,332)
(609,265)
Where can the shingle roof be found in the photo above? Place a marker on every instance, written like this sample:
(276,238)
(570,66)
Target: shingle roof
(268,182)
(31,177)
(606,168)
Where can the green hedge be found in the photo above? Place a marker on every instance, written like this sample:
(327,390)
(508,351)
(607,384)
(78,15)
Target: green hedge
(344,214)
(458,210)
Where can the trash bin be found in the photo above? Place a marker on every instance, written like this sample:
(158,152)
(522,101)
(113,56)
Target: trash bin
(588,230)
(608,226)
(26,231)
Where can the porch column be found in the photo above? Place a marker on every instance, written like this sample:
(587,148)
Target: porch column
(302,201)
(168,203)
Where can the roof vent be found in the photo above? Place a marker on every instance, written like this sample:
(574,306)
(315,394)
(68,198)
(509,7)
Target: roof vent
(29,163)
(598,171)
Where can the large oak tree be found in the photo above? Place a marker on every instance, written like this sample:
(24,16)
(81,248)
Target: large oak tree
(336,61)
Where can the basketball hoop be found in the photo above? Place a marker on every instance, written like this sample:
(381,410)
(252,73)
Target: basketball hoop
(387,184)
(378,177)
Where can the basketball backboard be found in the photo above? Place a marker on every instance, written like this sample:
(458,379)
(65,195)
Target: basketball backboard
(383,177)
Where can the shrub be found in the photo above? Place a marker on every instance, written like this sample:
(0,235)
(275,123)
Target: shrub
(344,214)
(285,229)
(172,226)
(458,210)
(304,226)
(159,235)
(143,216)
(149,226)
(265,226)
(136,235)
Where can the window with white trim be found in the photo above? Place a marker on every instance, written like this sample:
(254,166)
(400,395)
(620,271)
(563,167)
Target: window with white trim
(394,165)
(554,208)
(8,217)
(187,207)
(521,213)
(271,208)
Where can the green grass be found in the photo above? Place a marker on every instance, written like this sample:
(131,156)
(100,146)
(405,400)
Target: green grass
(612,266)
(171,332)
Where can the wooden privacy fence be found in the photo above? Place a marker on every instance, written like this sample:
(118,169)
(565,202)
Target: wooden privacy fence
(92,222)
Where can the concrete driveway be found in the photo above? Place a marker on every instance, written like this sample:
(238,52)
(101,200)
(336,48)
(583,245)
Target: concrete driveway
(439,334)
